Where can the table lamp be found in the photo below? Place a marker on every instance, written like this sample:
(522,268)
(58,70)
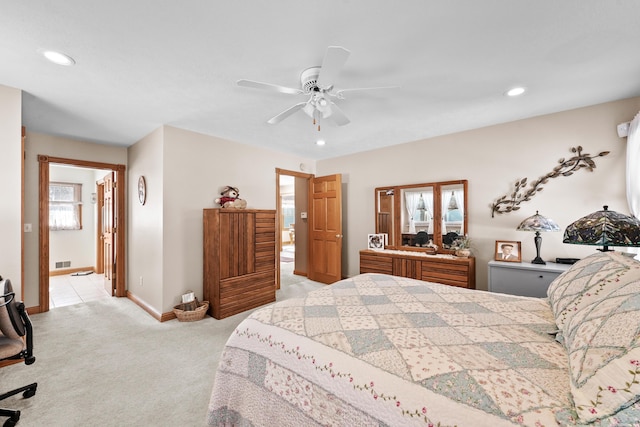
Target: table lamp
(538,223)
(606,228)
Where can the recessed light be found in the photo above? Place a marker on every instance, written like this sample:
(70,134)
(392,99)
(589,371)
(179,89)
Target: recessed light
(320,142)
(58,58)
(516,91)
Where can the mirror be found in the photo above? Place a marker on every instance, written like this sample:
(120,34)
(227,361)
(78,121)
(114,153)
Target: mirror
(384,212)
(417,216)
(421,216)
(453,211)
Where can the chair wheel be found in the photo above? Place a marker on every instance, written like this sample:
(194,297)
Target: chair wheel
(29,393)
(13,420)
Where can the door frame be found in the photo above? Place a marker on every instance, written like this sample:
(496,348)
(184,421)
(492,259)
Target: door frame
(43,221)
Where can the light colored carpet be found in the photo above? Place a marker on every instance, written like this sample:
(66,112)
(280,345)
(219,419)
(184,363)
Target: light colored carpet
(108,363)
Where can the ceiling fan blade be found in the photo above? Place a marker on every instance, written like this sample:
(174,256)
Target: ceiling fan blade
(334,60)
(338,115)
(268,86)
(340,93)
(286,113)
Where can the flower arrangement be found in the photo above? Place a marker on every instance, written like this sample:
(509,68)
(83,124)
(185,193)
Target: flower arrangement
(462,242)
(462,246)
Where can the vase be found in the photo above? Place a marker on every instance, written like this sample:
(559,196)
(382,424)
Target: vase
(463,253)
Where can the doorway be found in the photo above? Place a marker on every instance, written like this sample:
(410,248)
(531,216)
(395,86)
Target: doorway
(76,207)
(317,225)
(287,220)
(292,200)
(118,223)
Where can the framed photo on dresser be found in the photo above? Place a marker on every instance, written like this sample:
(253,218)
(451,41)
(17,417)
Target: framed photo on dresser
(508,251)
(376,242)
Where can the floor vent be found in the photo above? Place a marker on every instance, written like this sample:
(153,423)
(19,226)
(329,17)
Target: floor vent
(63,264)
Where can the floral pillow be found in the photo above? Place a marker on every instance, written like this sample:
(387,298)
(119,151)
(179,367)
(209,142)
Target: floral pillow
(626,417)
(596,304)
(583,283)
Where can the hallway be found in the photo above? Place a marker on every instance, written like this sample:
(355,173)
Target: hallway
(68,289)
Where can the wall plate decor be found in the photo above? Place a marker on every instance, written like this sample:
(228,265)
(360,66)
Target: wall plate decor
(566,167)
(142,190)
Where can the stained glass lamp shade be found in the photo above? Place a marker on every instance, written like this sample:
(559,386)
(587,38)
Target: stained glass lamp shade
(604,228)
(538,223)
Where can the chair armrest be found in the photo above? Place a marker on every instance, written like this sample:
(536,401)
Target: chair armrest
(7,298)
(28,357)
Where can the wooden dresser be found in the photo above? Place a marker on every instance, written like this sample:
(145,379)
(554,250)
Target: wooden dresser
(239,259)
(447,269)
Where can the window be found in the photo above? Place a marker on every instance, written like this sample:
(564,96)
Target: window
(65,206)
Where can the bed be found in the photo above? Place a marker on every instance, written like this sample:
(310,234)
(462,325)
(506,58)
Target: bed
(391,351)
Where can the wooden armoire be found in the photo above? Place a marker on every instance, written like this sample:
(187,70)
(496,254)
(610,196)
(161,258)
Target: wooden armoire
(239,259)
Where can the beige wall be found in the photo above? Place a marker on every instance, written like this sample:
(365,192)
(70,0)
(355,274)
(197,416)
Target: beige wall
(186,171)
(492,159)
(10,191)
(145,243)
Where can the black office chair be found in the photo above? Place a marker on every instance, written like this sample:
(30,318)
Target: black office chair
(16,342)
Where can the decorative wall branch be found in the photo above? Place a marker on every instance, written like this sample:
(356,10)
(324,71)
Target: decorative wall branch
(566,168)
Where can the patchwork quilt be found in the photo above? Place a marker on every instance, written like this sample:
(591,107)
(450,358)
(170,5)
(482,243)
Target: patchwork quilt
(391,351)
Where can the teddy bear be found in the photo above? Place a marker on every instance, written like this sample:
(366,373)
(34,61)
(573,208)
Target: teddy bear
(230,198)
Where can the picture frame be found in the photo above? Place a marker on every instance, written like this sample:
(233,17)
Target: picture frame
(142,190)
(508,251)
(377,242)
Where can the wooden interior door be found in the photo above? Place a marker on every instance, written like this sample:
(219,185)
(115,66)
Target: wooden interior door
(325,229)
(108,234)
(99,227)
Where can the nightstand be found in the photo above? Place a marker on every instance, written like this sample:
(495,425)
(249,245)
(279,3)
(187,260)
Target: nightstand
(523,278)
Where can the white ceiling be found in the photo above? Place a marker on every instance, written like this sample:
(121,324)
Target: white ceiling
(144,63)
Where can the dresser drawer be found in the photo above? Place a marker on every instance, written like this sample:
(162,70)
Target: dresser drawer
(373,263)
(445,269)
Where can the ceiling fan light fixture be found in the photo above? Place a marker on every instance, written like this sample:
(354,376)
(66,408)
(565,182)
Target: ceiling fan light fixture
(58,58)
(516,91)
(309,110)
(320,142)
(317,83)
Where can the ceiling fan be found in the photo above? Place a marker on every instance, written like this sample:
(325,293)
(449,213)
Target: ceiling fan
(317,84)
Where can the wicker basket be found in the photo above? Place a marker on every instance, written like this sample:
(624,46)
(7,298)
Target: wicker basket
(191,315)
